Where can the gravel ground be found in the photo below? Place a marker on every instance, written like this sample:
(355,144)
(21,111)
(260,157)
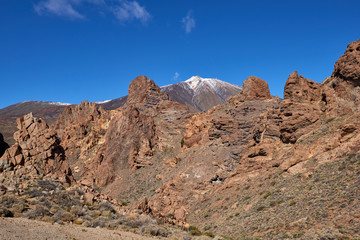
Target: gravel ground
(20,228)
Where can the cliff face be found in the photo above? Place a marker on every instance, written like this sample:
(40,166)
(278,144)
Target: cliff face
(301,108)
(135,132)
(254,147)
(347,67)
(254,166)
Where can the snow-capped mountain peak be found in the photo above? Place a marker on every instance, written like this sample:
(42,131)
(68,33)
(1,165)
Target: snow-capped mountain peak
(201,93)
(197,82)
(194,81)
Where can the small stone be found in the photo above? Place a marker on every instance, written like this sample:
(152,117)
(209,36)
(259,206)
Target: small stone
(78,221)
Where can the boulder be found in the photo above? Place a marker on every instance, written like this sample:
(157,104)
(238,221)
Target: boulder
(255,88)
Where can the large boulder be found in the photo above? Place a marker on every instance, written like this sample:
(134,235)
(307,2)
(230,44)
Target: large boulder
(255,88)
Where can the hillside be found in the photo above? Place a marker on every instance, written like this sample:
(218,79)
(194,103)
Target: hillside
(255,167)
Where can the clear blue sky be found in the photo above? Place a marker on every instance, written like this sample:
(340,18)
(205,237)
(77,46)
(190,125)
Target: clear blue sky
(73,50)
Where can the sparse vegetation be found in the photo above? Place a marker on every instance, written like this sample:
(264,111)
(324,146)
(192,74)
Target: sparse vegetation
(330,120)
(267,194)
(122,202)
(261,208)
(227,237)
(194,231)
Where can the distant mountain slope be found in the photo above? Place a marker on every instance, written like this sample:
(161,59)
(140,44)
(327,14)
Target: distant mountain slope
(201,93)
(48,111)
(114,104)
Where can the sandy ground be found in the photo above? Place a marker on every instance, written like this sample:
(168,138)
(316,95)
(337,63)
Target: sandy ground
(21,228)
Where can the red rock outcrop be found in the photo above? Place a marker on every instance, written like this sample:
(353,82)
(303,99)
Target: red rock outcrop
(255,88)
(131,136)
(78,122)
(143,90)
(348,65)
(81,129)
(341,90)
(233,125)
(37,150)
(300,108)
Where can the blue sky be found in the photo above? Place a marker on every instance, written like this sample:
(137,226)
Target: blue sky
(73,50)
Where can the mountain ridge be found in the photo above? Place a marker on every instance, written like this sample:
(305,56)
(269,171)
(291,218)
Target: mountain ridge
(179,92)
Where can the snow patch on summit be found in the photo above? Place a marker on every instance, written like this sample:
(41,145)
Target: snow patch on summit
(102,102)
(197,82)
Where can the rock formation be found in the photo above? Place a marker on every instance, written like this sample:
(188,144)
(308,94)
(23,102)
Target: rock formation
(255,88)
(37,150)
(300,108)
(81,129)
(143,90)
(132,133)
(254,166)
(248,140)
(348,66)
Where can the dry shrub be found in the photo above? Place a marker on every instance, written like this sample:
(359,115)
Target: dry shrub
(39,211)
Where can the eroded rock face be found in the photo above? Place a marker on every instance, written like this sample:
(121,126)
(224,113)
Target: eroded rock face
(81,129)
(348,65)
(255,88)
(234,124)
(215,144)
(300,108)
(131,135)
(143,90)
(82,126)
(37,150)
(341,89)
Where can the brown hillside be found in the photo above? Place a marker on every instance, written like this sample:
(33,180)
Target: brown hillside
(254,167)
